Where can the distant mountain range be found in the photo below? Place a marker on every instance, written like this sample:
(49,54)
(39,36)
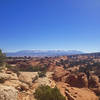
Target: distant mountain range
(42,53)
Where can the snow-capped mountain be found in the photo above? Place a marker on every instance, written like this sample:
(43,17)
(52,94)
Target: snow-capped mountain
(37,53)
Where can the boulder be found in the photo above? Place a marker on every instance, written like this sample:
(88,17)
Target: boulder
(3,77)
(8,76)
(28,77)
(13,76)
(8,93)
(45,81)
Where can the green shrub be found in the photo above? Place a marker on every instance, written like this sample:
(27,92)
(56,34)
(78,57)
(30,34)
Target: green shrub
(9,66)
(46,93)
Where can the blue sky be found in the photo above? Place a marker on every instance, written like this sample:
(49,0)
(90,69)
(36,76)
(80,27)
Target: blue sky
(50,24)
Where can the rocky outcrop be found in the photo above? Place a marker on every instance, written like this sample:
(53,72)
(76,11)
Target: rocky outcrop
(4,77)
(96,90)
(26,96)
(94,84)
(80,94)
(45,81)
(11,79)
(23,86)
(7,75)
(59,73)
(79,80)
(28,77)
(73,93)
(93,81)
(8,93)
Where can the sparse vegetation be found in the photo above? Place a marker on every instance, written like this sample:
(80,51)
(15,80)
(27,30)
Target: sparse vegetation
(38,68)
(83,66)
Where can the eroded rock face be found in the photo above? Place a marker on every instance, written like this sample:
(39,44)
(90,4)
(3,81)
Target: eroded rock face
(8,93)
(22,87)
(59,73)
(80,94)
(94,84)
(93,81)
(74,93)
(79,80)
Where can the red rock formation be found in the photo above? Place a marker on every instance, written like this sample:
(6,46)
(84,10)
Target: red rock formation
(79,80)
(59,73)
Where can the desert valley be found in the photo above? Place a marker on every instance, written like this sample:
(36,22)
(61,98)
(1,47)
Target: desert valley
(49,50)
(72,77)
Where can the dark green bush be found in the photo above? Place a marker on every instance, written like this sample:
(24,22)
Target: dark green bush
(2,58)
(39,68)
(46,93)
(9,66)
(33,68)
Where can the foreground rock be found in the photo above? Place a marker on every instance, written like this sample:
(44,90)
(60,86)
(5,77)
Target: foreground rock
(23,86)
(4,77)
(8,93)
(28,77)
(80,94)
(26,96)
(73,93)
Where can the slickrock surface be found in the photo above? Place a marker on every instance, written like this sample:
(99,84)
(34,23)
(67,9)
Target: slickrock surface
(27,77)
(8,93)
(23,86)
(73,93)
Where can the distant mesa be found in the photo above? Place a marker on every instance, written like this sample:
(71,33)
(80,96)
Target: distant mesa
(43,53)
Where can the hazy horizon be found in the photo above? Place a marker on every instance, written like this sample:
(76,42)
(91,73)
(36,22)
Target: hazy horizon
(85,51)
(46,50)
